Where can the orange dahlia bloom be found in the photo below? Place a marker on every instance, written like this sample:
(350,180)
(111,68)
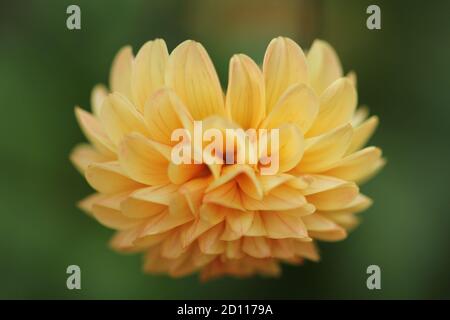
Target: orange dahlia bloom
(226,218)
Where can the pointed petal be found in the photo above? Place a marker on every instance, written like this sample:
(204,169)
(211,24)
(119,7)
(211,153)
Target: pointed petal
(94,132)
(282,225)
(148,71)
(320,183)
(84,154)
(245,100)
(119,78)
(98,94)
(245,177)
(226,195)
(335,198)
(298,105)
(362,134)
(257,247)
(164,222)
(360,115)
(280,198)
(108,177)
(180,173)
(323,65)
(323,151)
(239,221)
(306,250)
(119,117)
(164,113)
(270,182)
(191,74)
(107,212)
(358,166)
(337,105)
(210,243)
(144,160)
(288,150)
(193,191)
(284,64)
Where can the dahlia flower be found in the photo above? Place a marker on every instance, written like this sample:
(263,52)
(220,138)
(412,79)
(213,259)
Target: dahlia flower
(226,219)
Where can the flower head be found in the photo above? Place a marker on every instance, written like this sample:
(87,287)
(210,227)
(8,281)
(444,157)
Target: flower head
(226,218)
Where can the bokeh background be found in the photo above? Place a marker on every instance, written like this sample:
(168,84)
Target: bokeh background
(403,75)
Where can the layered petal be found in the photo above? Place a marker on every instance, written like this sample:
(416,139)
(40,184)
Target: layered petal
(337,105)
(284,65)
(324,66)
(245,100)
(120,76)
(148,71)
(144,160)
(191,74)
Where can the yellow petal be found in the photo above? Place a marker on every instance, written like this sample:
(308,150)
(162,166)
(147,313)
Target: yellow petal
(360,115)
(210,242)
(120,76)
(317,222)
(123,241)
(245,177)
(360,203)
(87,203)
(233,249)
(298,105)
(149,201)
(337,105)
(323,65)
(180,173)
(335,198)
(164,222)
(193,191)
(119,117)
(245,100)
(306,250)
(362,134)
(84,154)
(227,195)
(191,74)
(161,194)
(239,221)
(172,247)
(163,114)
(257,247)
(291,147)
(358,166)
(107,212)
(270,182)
(213,213)
(280,198)
(94,132)
(320,183)
(193,230)
(144,160)
(148,71)
(108,177)
(284,64)
(352,77)
(98,94)
(282,248)
(344,219)
(282,225)
(332,235)
(323,151)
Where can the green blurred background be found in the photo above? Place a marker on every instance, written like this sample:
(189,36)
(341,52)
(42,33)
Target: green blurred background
(403,75)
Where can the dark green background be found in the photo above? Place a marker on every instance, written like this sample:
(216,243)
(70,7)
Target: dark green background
(403,75)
